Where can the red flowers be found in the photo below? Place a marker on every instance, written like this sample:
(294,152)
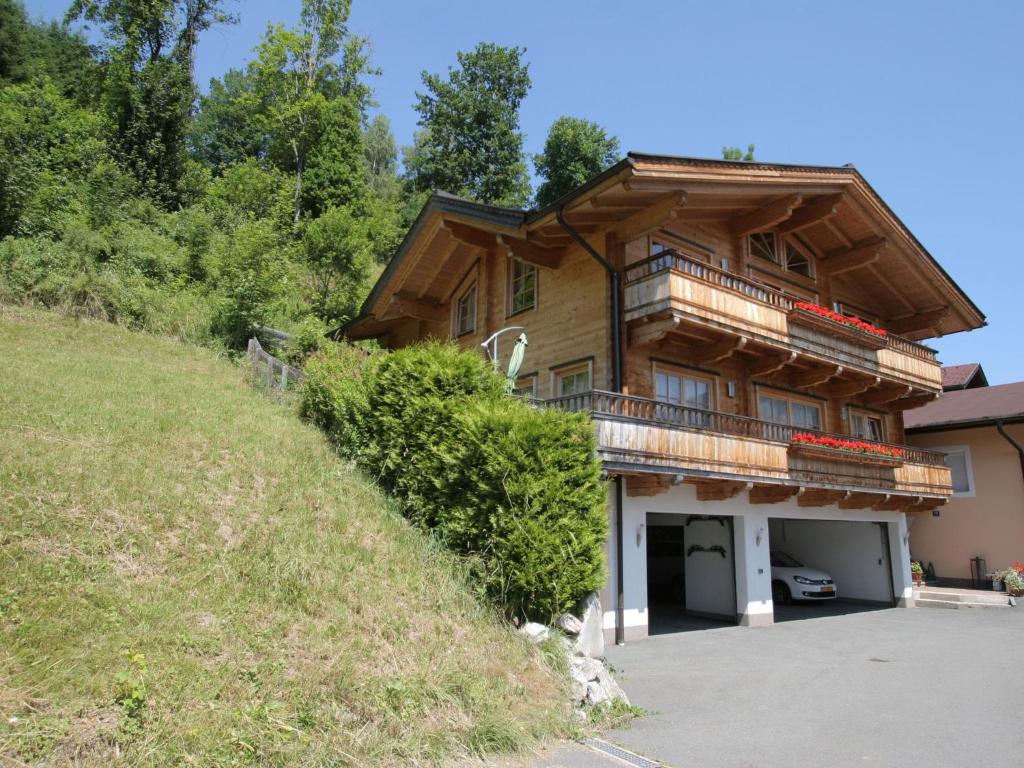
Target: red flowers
(857,446)
(828,313)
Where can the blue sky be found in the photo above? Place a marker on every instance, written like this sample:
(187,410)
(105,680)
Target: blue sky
(925,98)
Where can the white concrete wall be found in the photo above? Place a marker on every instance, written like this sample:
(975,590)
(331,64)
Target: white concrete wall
(709,576)
(854,553)
(753,572)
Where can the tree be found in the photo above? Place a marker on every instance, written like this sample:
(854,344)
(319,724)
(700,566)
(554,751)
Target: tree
(228,127)
(381,154)
(302,82)
(735,153)
(575,150)
(338,256)
(149,91)
(13,52)
(470,143)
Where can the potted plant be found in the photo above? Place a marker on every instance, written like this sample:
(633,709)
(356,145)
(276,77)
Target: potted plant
(997,581)
(917,572)
(1014,583)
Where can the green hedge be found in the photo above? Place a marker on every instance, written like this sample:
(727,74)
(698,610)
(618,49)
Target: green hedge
(515,489)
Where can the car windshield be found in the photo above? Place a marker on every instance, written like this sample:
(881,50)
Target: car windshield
(782,560)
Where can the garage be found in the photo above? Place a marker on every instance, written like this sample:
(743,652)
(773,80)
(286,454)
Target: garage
(805,554)
(691,573)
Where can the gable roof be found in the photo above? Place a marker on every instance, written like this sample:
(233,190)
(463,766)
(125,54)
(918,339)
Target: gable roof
(966,376)
(968,407)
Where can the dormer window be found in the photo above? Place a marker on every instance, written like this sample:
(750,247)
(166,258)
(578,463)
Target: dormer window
(465,312)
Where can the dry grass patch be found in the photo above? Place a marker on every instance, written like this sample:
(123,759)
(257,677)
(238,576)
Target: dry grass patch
(188,575)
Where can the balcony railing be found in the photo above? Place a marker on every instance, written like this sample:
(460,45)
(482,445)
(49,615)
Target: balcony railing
(648,411)
(673,260)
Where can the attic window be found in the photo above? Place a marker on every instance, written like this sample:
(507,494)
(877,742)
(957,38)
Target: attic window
(764,246)
(465,314)
(797,261)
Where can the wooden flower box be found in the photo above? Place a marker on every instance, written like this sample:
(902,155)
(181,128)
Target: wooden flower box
(827,453)
(839,330)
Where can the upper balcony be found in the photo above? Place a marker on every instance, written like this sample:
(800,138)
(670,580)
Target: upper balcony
(723,452)
(677,289)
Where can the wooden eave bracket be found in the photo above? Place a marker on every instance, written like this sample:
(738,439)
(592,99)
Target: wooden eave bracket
(719,490)
(464,233)
(857,257)
(814,211)
(766,217)
(776,365)
(408,306)
(923,321)
(815,378)
(822,497)
(650,218)
(524,250)
(855,387)
(717,352)
(887,395)
(773,494)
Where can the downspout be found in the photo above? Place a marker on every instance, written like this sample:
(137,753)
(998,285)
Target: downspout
(1014,443)
(620,612)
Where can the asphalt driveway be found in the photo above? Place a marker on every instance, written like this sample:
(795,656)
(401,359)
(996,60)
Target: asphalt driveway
(895,687)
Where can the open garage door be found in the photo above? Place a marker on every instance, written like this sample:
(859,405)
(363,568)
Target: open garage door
(855,555)
(691,572)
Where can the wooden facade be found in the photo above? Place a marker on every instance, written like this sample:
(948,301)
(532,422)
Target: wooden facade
(717,263)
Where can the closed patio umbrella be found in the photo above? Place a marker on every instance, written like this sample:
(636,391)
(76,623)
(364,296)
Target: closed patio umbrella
(515,362)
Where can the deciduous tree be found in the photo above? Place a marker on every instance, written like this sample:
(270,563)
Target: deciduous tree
(575,150)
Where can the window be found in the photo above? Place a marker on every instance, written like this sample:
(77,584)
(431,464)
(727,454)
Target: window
(762,245)
(522,286)
(526,386)
(572,381)
(958,459)
(797,261)
(678,388)
(779,409)
(789,254)
(465,312)
(867,426)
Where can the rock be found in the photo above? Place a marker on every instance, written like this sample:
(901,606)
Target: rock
(611,686)
(569,624)
(587,668)
(590,641)
(577,687)
(537,633)
(596,694)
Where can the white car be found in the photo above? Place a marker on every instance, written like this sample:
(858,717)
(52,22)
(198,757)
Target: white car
(792,580)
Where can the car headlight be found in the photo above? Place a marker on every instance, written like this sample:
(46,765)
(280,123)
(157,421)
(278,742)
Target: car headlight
(804,580)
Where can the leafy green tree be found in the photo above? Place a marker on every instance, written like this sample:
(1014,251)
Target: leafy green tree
(470,143)
(13,24)
(149,91)
(575,150)
(301,77)
(735,153)
(228,127)
(338,255)
(381,154)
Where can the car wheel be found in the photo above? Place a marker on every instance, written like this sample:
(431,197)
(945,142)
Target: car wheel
(781,593)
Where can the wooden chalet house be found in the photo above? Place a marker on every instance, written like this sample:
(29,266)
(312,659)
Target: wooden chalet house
(746,337)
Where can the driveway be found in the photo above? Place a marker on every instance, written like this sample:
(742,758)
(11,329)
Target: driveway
(921,687)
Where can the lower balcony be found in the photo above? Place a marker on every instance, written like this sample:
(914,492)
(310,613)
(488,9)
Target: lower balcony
(663,443)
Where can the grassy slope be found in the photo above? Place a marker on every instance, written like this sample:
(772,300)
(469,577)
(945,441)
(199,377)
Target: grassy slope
(173,541)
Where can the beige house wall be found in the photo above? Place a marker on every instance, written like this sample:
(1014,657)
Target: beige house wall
(989,523)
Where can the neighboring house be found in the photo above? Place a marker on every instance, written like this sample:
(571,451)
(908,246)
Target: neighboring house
(966,376)
(981,430)
(700,311)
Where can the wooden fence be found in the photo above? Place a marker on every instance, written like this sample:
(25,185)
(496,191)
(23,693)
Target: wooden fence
(270,371)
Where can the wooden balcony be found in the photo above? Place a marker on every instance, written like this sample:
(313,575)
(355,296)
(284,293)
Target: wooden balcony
(640,435)
(679,289)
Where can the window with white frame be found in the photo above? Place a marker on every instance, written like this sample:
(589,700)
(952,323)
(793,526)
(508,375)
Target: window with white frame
(867,426)
(465,312)
(958,459)
(522,286)
(572,380)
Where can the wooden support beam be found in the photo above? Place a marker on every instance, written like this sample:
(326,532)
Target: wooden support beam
(893,502)
(766,217)
(650,218)
(646,485)
(886,395)
(851,388)
(923,321)
(815,378)
(818,209)
(777,364)
(721,351)
(821,497)
(616,200)
(773,494)
(858,500)
(719,490)
(859,256)
(582,215)
(524,250)
(407,306)
(926,505)
(477,238)
(909,403)
(648,333)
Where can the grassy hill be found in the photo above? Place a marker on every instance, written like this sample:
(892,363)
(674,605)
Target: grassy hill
(188,575)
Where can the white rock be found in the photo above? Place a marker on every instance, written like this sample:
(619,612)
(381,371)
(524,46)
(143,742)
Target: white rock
(587,669)
(569,624)
(590,641)
(596,694)
(612,687)
(538,633)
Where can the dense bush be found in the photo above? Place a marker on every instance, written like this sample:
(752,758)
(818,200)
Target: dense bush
(515,489)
